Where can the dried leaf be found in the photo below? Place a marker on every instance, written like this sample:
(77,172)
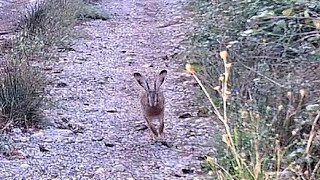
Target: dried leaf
(306,13)
(316,23)
(287,12)
(210,161)
(244,114)
(247,32)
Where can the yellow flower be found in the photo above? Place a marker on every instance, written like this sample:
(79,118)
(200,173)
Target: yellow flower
(190,69)
(224,55)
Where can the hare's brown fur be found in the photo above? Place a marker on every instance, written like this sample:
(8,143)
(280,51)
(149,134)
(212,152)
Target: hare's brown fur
(152,101)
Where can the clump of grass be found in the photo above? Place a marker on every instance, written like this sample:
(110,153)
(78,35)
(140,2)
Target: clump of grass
(49,24)
(263,143)
(91,11)
(46,25)
(21,94)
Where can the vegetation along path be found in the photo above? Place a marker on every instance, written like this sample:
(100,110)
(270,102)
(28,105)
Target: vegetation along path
(97,130)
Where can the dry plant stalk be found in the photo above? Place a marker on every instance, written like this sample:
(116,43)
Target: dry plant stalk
(312,134)
(224,93)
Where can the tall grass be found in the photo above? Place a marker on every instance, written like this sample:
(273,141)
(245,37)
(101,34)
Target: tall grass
(21,95)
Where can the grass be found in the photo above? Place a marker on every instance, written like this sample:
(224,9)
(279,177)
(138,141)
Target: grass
(261,91)
(21,95)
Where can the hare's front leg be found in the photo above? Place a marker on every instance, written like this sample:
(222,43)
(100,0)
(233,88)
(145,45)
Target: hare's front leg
(161,126)
(152,130)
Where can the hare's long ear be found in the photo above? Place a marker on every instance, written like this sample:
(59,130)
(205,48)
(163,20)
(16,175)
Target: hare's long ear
(160,78)
(141,80)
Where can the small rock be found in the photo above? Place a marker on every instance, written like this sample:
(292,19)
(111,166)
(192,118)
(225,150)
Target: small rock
(109,144)
(100,170)
(187,171)
(141,127)
(65,120)
(61,132)
(147,65)
(178,175)
(203,112)
(61,85)
(16,131)
(43,148)
(112,111)
(97,138)
(119,168)
(23,139)
(24,166)
(37,136)
(166,144)
(57,71)
(47,68)
(186,115)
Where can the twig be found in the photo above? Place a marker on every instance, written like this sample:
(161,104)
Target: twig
(170,24)
(315,170)
(288,17)
(249,68)
(224,170)
(312,134)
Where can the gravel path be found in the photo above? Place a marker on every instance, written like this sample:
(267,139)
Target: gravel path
(97,130)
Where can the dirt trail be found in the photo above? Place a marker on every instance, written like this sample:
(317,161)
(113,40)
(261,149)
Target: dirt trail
(95,122)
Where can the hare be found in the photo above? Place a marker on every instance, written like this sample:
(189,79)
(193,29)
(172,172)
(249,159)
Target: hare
(152,102)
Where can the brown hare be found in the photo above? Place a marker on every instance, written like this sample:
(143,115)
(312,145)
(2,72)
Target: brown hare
(152,102)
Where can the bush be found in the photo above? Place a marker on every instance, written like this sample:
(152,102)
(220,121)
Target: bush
(267,81)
